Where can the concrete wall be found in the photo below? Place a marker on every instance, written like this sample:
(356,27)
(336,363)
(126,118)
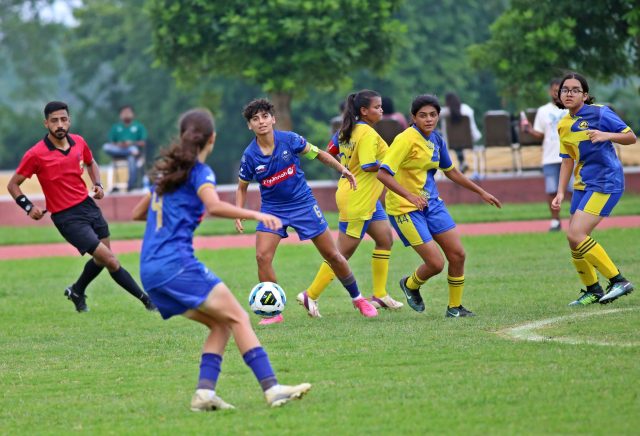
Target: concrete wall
(508,188)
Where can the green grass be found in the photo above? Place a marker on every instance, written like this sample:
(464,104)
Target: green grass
(121,370)
(462,213)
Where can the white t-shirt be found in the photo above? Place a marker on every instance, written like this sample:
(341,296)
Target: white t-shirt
(546,122)
(465,110)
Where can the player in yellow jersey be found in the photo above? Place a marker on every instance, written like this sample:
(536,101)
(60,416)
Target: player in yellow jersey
(586,135)
(415,210)
(360,150)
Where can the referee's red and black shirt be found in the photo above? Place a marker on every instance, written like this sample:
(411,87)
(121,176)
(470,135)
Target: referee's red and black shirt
(59,172)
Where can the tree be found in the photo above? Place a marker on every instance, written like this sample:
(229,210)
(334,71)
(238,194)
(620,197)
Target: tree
(531,42)
(285,46)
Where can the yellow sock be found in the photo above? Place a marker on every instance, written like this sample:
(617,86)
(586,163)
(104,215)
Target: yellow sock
(414,282)
(323,278)
(596,256)
(586,271)
(456,288)
(380,271)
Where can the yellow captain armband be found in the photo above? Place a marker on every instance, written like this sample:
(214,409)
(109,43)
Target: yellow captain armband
(312,153)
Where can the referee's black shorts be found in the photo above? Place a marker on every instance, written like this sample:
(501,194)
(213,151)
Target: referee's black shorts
(82,225)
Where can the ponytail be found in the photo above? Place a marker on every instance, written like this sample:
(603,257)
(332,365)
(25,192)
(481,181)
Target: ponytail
(175,163)
(351,114)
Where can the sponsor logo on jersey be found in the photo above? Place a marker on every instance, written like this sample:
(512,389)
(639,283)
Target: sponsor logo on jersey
(281,176)
(261,169)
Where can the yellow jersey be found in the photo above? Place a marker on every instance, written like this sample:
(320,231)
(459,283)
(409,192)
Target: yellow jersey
(413,160)
(365,149)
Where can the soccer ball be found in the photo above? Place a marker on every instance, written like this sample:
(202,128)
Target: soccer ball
(267,299)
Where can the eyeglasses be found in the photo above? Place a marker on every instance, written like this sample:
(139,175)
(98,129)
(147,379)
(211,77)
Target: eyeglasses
(573,91)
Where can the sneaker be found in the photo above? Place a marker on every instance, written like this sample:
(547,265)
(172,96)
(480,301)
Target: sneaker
(414,299)
(586,298)
(79,300)
(616,290)
(555,226)
(458,312)
(385,302)
(278,395)
(365,308)
(310,304)
(273,320)
(205,400)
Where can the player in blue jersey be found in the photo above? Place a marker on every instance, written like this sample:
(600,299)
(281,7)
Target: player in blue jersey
(586,136)
(181,285)
(415,209)
(272,159)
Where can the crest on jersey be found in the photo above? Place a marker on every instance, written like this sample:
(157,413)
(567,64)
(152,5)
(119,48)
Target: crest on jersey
(286,155)
(261,169)
(584,125)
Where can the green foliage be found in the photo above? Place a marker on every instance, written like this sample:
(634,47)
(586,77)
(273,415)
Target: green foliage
(282,45)
(532,42)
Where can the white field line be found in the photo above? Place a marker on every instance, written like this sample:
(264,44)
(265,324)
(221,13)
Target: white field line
(527,331)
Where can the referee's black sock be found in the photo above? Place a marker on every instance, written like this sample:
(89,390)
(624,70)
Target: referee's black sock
(124,279)
(90,272)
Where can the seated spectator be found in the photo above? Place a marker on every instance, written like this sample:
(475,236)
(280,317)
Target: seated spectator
(456,110)
(126,140)
(389,112)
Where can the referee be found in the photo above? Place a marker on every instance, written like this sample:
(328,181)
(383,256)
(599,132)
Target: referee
(59,160)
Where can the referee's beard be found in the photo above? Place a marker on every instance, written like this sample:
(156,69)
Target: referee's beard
(59,134)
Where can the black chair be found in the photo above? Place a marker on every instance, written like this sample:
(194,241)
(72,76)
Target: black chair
(388,129)
(497,133)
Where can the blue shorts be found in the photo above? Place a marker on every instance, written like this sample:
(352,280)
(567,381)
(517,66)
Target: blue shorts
(186,290)
(594,203)
(417,227)
(551,174)
(357,229)
(306,219)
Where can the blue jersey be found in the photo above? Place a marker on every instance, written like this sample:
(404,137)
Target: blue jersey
(167,247)
(597,165)
(280,176)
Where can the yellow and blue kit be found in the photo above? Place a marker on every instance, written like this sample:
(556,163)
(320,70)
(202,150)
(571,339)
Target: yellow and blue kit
(598,175)
(413,160)
(357,208)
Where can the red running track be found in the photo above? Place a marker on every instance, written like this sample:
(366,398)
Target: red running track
(242,241)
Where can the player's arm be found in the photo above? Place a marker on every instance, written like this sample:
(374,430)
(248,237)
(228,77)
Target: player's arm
(626,138)
(140,210)
(31,209)
(94,174)
(531,131)
(456,176)
(241,198)
(216,207)
(566,168)
(311,152)
(387,179)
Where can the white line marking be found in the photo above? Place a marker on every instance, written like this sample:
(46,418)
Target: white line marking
(526,332)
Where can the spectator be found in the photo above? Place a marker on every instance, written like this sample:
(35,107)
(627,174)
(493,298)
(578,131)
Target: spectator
(127,138)
(545,128)
(389,112)
(336,121)
(456,110)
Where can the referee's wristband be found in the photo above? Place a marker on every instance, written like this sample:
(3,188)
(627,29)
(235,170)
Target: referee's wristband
(24,203)
(99,185)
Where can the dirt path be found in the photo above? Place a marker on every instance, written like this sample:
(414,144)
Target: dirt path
(243,241)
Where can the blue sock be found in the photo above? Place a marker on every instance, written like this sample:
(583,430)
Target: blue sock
(349,283)
(258,361)
(209,371)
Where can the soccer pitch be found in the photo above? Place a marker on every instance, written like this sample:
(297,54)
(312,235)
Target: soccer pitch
(121,370)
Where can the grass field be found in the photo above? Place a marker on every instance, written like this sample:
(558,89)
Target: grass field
(462,213)
(121,370)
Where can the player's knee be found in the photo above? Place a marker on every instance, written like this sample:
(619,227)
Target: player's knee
(264,258)
(436,265)
(335,259)
(457,257)
(575,238)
